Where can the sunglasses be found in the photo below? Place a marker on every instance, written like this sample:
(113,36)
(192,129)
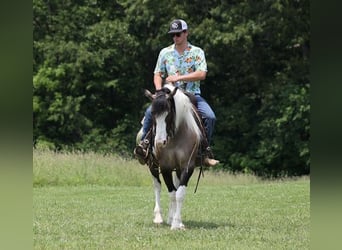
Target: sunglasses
(176,34)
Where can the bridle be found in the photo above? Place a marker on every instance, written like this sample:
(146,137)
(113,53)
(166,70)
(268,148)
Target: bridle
(164,102)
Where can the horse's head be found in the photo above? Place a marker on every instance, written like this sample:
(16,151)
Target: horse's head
(163,113)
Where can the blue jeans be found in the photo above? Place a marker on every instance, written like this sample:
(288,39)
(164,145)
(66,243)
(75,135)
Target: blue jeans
(204,110)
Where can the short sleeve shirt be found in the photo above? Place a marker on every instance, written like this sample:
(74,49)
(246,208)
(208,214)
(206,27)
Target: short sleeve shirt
(170,62)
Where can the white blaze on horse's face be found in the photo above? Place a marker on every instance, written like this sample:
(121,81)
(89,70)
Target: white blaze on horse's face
(160,139)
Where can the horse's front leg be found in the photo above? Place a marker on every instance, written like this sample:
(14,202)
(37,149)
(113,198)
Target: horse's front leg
(158,219)
(177,219)
(172,207)
(167,175)
(173,202)
(184,177)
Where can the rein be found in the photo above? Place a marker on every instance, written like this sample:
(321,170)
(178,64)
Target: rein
(199,174)
(192,153)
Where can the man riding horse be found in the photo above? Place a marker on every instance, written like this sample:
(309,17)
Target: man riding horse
(183,65)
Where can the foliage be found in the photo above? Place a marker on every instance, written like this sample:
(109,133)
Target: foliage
(93,58)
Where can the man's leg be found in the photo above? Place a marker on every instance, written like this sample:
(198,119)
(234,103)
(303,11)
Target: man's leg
(147,124)
(140,150)
(208,115)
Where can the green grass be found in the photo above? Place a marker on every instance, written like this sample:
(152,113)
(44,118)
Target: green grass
(77,206)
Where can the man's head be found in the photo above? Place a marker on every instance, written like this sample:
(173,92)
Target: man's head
(178,31)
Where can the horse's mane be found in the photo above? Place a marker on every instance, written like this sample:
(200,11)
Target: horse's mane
(184,107)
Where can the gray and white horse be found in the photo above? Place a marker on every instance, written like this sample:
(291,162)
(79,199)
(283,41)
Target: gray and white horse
(176,142)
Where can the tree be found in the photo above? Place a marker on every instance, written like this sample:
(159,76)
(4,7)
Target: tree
(92,59)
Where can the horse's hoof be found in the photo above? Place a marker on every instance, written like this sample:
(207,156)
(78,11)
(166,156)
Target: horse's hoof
(158,222)
(158,219)
(180,226)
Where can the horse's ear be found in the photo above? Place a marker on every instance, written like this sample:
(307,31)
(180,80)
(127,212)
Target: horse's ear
(148,94)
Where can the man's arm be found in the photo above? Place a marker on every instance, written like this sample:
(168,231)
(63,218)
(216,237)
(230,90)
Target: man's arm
(158,80)
(193,76)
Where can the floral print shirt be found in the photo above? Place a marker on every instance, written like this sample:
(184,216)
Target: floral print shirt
(170,62)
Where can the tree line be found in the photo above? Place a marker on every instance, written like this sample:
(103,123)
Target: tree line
(93,58)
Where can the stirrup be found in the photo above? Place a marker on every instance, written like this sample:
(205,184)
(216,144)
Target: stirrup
(209,152)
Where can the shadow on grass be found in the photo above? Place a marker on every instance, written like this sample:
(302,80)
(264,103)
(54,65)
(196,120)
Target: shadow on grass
(205,224)
(189,224)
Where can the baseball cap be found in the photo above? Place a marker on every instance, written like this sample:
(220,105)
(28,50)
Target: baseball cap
(178,25)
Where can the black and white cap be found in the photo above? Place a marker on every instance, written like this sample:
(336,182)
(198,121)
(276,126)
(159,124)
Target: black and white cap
(178,25)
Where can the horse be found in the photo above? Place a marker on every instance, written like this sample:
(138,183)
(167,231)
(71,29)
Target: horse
(177,138)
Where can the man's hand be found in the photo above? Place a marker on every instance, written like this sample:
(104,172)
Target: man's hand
(172,79)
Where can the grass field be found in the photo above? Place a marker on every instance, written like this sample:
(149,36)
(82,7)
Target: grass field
(89,201)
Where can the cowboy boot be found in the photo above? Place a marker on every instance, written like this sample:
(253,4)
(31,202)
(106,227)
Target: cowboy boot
(208,156)
(209,160)
(141,151)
